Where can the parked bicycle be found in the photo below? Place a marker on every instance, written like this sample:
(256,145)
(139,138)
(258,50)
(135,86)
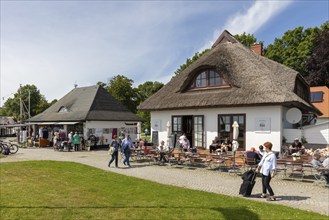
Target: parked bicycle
(13,148)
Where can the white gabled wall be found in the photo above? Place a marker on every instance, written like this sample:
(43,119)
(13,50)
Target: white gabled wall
(108,124)
(253,138)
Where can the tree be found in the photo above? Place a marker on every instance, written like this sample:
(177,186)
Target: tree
(293,49)
(147,89)
(102,84)
(318,64)
(246,39)
(120,87)
(143,92)
(37,102)
(189,61)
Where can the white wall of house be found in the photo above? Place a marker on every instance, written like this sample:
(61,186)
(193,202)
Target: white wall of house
(290,134)
(120,125)
(317,134)
(273,115)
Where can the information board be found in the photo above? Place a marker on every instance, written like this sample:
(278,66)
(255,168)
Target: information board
(155,138)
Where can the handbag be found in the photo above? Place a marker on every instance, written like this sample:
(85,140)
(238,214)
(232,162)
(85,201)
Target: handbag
(111,150)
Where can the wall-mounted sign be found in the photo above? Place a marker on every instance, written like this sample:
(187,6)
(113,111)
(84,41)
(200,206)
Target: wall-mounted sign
(157,125)
(263,125)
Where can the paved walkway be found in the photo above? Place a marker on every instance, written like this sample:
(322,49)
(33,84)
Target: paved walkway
(302,195)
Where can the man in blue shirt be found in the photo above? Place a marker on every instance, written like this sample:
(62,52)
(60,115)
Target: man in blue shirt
(126,146)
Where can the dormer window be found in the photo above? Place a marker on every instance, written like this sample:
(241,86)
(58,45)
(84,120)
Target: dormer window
(208,78)
(63,109)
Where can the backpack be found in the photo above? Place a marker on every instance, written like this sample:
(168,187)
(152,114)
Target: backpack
(5,151)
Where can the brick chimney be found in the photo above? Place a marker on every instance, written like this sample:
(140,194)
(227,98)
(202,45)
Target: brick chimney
(257,48)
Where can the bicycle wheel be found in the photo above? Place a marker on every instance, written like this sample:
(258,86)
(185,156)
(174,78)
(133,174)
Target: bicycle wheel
(1,148)
(13,148)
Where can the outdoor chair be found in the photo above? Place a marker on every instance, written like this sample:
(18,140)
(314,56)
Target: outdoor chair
(217,161)
(250,163)
(151,156)
(307,163)
(281,166)
(319,177)
(235,164)
(297,168)
(183,158)
(200,160)
(170,157)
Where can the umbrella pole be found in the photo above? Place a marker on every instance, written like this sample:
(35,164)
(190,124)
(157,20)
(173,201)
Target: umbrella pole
(233,161)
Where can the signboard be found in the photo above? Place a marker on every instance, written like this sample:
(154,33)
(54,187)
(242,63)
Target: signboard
(157,125)
(155,138)
(263,125)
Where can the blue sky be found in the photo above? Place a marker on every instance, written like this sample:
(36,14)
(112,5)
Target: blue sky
(55,44)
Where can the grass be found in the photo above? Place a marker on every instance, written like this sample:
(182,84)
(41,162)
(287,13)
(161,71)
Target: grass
(65,190)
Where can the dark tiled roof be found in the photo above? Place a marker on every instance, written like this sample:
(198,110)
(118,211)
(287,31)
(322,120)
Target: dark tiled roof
(86,103)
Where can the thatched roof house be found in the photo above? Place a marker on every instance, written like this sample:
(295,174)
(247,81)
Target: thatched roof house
(252,80)
(229,83)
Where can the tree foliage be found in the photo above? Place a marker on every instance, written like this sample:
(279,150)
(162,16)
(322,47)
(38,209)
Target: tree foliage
(120,87)
(143,92)
(318,65)
(294,48)
(189,61)
(246,39)
(38,103)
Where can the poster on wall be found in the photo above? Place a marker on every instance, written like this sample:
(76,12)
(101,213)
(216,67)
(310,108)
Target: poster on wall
(263,125)
(157,125)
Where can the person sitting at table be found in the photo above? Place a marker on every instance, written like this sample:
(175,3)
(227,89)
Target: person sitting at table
(261,151)
(184,143)
(215,145)
(253,154)
(318,165)
(296,147)
(162,149)
(226,145)
(325,163)
(194,149)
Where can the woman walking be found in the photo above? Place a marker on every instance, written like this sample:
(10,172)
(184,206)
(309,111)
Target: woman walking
(267,168)
(115,150)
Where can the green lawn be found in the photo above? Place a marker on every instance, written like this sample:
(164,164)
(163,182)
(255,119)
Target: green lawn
(65,190)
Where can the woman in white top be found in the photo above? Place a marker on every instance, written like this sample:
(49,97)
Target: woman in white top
(268,165)
(162,149)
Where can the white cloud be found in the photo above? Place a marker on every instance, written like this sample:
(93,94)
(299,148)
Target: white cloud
(250,20)
(54,44)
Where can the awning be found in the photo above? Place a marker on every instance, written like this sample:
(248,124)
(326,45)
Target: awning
(45,123)
(67,123)
(13,126)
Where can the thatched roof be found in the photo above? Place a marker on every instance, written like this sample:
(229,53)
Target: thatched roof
(253,80)
(91,103)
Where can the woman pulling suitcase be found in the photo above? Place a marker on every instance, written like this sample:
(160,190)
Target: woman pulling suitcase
(267,167)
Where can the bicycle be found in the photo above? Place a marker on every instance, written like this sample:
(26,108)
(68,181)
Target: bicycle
(13,148)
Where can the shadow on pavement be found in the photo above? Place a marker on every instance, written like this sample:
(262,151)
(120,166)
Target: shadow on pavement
(292,198)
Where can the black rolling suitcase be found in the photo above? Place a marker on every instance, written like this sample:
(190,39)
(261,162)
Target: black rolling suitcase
(248,183)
